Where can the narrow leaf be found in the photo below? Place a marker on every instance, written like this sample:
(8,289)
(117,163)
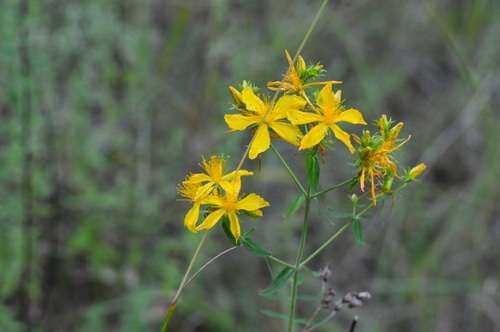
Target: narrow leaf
(279,282)
(295,206)
(358,232)
(338,214)
(312,167)
(254,247)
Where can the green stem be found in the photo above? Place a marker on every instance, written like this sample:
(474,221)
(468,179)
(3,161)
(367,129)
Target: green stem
(297,267)
(319,193)
(334,236)
(171,309)
(289,170)
(279,261)
(324,245)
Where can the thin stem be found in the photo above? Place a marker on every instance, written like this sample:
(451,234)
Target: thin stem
(208,263)
(183,284)
(300,253)
(195,255)
(289,170)
(324,245)
(334,236)
(279,261)
(319,193)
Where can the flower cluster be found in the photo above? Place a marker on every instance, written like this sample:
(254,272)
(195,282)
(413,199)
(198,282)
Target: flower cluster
(376,163)
(291,109)
(304,118)
(220,193)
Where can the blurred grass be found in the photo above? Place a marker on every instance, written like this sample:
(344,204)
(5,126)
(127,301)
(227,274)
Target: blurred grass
(125,97)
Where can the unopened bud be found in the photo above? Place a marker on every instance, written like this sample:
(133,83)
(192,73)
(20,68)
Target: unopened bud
(354,199)
(394,131)
(237,97)
(300,65)
(416,171)
(388,180)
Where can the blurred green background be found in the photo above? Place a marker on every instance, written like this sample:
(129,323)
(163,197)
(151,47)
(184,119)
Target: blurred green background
(106,105)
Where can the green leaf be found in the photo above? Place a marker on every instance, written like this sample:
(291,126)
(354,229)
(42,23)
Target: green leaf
(358,232)
(227,231)
(279,282)
(312,167)
(254,247)
(295,205)
(338,214)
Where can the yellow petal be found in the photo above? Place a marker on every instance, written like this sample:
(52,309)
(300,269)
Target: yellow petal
(240,122)
(211,219)
(313,137)
(260,142)
(252,102)
(197,178)
(327,100)
(288,132)
(342,136)
(251,202)
(300,117)
(289,103)
(234,225)
(352,116)
(192,218)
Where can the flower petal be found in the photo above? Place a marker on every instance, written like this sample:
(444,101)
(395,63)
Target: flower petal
(211,219)
(289,103)
(252,102)
(327,100)
(352,116)
(314,136)
(192,218)
(260,142)
(251,202)
(240,122)
(300,117)
(342,136)
(234,225)
(288,132)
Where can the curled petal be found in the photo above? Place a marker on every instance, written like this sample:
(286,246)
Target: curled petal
(261,142)
(192,218)
(234,225)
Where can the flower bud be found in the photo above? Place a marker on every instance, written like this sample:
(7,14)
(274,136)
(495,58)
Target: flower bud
(394,131)
(416,171)
(236,96)
(300,65)
(388,180)
(354,199)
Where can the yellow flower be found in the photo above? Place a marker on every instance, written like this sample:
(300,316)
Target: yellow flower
(215,176)
(256,113)
(189,191)
(329,113)
(297,75)
(230,205)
